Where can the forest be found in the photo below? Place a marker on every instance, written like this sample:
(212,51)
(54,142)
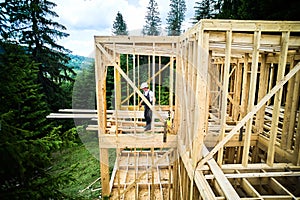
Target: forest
(44,158)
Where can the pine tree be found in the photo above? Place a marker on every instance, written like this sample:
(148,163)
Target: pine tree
(202,10)
(31,25)
(26,139)
(176,17)
(119,26)
(153,21)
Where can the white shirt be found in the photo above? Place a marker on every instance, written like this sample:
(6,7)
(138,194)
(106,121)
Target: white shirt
(151,94)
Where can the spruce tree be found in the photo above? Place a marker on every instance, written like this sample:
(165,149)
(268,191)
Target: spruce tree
(119,26)
(176,17)
(26,138)
(32,26)
(202,10)
(153,21)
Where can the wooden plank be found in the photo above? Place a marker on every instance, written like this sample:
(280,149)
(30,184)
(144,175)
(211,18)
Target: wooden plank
(257,174)
(101,108)
(249,115)
(278,97)
(136,39)
(285,136)
(297,140)
(225,91)
(244,100)
(203,187)
(223,182)
(276,197)
(130,185)
(70,116)
(250,190)
(237,92)
(263,82)
(280,189)
(293,114)
(78,110)
(251,96)
(137,141)
(249,25)
(263,143)
(201,95)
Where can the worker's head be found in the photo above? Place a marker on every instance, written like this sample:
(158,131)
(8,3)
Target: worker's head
(144,86)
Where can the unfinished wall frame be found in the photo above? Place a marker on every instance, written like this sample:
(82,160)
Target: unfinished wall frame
(234,106)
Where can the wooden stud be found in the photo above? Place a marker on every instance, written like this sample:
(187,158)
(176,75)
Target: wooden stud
(263,82)
(278,96)
(288,114)
(225,91)
(254,69)
(294,110)
(242,122)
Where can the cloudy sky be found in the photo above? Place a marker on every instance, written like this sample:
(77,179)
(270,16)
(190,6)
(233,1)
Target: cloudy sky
(86,18)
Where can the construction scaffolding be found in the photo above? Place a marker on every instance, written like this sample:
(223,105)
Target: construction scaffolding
(226,119)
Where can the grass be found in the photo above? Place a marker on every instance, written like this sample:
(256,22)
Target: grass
(81,164)
(83,168)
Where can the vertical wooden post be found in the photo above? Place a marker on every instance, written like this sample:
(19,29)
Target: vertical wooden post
(127,84)
(159,82)
(297,142)
(285,137)
(152,173)
(225,91)
(263,82)
(245,86)
(294,109)
(278,96)
(237,92)
(117,81)
(251,99)
(100,73)
(171,82)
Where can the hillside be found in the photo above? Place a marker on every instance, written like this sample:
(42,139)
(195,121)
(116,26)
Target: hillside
(79,62)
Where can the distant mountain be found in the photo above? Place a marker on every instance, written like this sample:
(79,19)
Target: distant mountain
(79,62)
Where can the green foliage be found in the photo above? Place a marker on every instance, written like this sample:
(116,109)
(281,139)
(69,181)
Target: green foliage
(26,137)
(247,10)
(82,168)
(31,26)
(153,21)
(206,9)
(176,17)
(79,63)
(84,91)
(82,164)
(119,26)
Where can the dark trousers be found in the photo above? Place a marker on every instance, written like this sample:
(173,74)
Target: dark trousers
(148,116)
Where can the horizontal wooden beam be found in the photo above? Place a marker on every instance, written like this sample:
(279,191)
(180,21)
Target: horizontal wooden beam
(250,25)
(140,140)
(136,39)
(258,175)
(71,116)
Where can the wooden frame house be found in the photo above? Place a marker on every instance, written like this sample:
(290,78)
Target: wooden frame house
(226,116)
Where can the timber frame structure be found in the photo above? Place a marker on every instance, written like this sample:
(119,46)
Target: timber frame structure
(234,106)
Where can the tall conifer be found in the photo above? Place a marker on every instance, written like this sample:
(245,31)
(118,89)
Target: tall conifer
(153,21)
(119,26)
(176,17)
(31,25)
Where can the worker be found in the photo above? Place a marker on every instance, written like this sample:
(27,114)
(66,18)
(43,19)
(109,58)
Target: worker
(147,111)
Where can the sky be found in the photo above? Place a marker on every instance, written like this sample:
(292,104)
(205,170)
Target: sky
(86,18)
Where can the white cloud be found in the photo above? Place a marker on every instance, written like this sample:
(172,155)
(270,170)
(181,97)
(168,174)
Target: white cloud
(86,18)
